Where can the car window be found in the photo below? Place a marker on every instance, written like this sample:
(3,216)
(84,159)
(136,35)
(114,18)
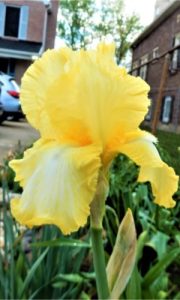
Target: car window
(5,82)
(15,85)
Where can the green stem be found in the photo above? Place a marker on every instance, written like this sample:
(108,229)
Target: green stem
(157,215)
(99,263)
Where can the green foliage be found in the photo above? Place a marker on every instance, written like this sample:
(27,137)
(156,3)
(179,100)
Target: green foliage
(127,29)
(7,173)
(75,23)
(169,147)
(170,142)
(157,228)
(85,21)
(115,25)
(41,263)
(31,270)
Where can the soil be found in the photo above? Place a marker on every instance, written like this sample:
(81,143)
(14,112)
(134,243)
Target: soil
(12,133)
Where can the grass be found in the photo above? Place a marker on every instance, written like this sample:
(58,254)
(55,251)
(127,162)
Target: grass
(170,142)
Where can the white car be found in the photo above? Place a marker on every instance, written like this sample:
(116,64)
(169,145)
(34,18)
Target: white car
(1,109)
(9,98)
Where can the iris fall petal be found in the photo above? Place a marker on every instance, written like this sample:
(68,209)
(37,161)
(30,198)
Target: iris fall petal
(163,180)
(59,184)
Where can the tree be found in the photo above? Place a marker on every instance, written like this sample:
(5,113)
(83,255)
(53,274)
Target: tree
(74,26)
(115,25)
(86,21)
(126,30)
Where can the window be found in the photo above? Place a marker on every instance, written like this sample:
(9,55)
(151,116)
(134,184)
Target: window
(155,52)
(135,68)
(135,72)
(167,109)
(143,68)
(143,72)
(14,21)
(8,65)
(175,63)
(149,113)
(178,18)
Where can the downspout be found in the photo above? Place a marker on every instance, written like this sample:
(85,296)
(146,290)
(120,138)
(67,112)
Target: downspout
(44,32)
(177,116)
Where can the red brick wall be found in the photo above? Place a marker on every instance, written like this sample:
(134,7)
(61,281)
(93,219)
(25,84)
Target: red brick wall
(21,67)
(36,20)
(37,13)
(36,17)
(162,37)
(51,25)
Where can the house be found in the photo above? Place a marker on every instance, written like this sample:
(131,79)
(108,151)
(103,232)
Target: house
(27,29)
(156,58)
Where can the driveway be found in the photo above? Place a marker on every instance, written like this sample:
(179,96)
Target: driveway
(12,133)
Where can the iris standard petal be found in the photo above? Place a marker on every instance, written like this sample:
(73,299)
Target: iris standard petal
(163,179)
(101,103)
(35,82)
(59,184)
(83,97)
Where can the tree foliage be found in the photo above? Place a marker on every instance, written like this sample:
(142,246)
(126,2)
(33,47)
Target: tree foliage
(85,21)
(74,26)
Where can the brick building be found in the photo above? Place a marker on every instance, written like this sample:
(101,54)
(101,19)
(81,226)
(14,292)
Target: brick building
(156,58)
(27,28)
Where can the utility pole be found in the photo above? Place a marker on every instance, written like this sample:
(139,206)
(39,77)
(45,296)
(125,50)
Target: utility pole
(158,104)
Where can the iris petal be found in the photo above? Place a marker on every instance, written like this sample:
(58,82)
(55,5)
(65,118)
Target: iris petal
(96,101)
(35,83)
(86,91)
(163,180)
(59,184)
(78,100)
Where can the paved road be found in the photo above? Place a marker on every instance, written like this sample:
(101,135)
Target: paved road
(13,132)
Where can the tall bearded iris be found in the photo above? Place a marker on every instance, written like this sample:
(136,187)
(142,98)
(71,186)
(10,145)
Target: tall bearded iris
(87,110)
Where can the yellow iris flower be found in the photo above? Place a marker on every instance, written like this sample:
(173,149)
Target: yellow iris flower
(87,110)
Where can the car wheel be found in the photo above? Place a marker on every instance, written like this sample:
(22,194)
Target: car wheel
(15,118)
(2,117)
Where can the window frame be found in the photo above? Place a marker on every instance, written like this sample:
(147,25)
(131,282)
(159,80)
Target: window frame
(166,119)
(135,66)
(143,67)
(143,72)
(155,53)
(148,116)
(23,21)
(178,18)
(175,60)
(5,20)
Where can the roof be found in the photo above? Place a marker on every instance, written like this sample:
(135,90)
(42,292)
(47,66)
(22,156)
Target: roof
(19,49)
(160,19)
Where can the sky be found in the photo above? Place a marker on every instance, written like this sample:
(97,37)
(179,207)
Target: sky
(143,8)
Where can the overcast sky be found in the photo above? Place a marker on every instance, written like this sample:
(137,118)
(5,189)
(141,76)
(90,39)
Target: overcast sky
(143,8)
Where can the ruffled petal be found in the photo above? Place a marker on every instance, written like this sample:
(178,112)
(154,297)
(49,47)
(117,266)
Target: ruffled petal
(83,97)
(163,179)
(59,184)
(35,83)
(96,100)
